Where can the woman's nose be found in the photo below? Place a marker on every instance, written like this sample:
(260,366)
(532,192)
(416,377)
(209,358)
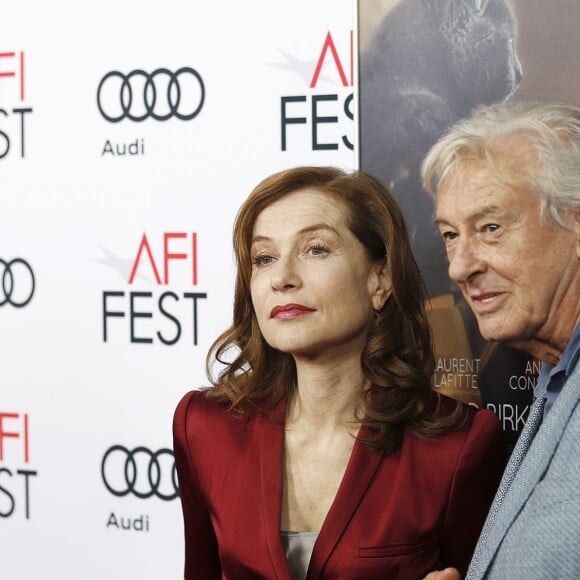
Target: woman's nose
(285,274)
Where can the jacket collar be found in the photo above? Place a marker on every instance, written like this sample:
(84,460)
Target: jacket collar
(361,468)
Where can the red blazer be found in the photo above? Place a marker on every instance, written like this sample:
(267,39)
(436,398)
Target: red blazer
(395,517)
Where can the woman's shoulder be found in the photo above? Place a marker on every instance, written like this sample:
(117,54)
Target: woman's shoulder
(201,423)
(197,404)
(196,397)
(471,413)
(472,421)
(198,410)
(476,433)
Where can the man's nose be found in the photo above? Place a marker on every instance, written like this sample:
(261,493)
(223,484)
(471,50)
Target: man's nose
(464,260)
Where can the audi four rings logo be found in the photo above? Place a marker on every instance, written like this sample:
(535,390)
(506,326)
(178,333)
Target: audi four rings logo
(159,95)
(140,471)
(17,282)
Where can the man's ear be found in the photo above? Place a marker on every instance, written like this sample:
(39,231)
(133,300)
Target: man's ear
(380,284)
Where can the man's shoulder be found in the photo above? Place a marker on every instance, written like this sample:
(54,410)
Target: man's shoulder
(574,376)
(570,393)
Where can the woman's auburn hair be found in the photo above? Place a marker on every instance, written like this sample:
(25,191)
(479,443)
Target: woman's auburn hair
(397,358)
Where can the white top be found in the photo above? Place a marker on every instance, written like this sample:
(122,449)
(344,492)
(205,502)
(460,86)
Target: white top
(298,547)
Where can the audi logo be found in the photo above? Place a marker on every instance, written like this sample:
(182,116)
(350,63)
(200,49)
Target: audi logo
(140,471)
(159,95)
(17,282)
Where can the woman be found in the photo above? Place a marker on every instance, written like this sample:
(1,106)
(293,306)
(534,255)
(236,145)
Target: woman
(321,445)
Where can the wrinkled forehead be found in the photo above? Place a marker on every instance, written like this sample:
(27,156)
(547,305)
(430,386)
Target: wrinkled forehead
(510,161)
(468,188)
(465,177)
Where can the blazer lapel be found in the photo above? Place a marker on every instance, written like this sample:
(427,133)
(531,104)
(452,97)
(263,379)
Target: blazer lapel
(271,446)
(361,468)
(531,470)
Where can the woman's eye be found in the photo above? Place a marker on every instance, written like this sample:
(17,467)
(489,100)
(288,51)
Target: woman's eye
(491,227)
(262,260)
(317,250)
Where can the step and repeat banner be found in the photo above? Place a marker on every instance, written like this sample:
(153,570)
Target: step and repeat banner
(130,133)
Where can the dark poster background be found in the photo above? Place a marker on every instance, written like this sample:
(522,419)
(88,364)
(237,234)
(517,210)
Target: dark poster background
(424,64)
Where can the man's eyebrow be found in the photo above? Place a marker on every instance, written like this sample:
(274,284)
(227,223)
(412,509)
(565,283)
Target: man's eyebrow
(491,210)
(306,230)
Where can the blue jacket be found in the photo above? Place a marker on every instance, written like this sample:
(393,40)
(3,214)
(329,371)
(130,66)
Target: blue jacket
(536,532)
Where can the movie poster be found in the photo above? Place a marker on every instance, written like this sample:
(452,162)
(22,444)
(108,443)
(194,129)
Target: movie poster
(423,65)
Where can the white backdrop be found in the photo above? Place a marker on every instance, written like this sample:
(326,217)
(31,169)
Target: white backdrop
(77,217)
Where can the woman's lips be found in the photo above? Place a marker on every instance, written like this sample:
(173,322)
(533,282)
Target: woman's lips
(289,311)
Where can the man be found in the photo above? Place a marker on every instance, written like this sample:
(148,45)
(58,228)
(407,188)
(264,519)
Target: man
(506,184)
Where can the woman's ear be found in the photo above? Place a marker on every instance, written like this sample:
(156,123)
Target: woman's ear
(380,284)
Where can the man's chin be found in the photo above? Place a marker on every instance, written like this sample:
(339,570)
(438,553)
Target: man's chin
(507,337)
(496,333)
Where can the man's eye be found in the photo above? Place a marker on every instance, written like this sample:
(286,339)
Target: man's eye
(448,236)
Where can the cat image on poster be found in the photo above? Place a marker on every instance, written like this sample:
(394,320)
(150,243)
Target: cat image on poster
(428,64)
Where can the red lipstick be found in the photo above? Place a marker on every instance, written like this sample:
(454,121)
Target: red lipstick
(288,311)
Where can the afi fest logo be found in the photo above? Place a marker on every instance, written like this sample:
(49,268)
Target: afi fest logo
(162,314)
(15,472)
(13,108)
(141,473)
(320,116)
(139,95)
